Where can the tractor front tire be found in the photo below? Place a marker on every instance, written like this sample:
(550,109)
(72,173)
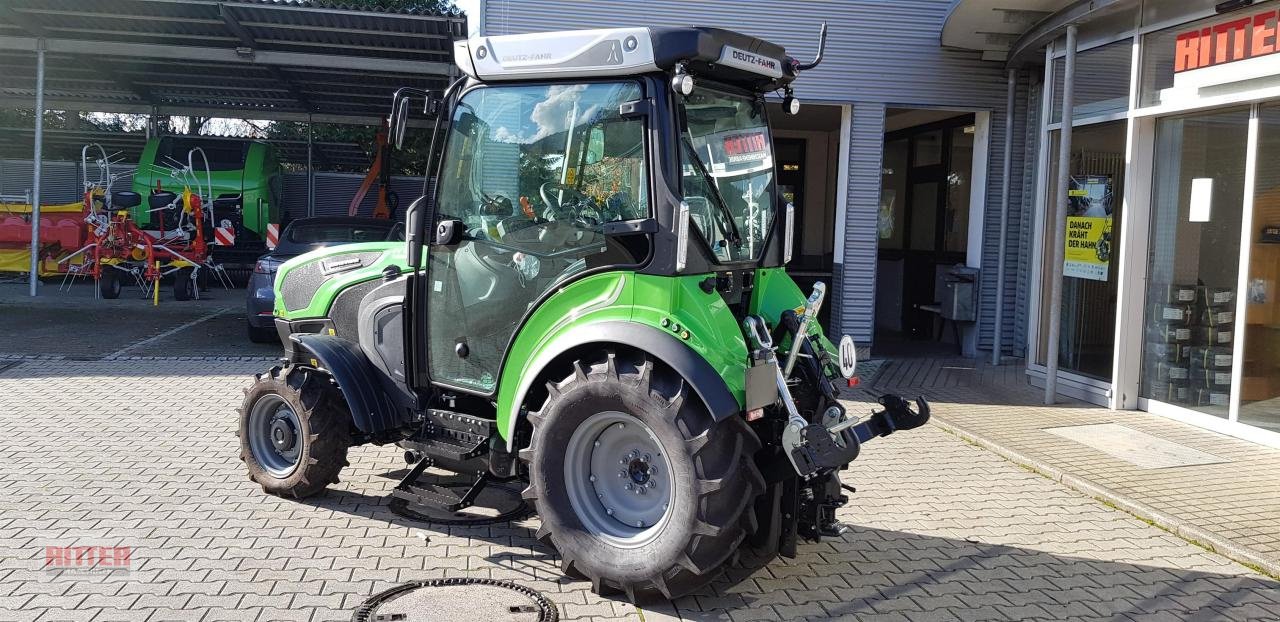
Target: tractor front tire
(294,431)
(639,489)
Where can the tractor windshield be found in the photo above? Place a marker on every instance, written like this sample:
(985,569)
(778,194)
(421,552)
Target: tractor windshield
(727,172)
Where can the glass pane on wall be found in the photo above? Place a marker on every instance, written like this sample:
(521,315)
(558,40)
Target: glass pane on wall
(955,236)
(928,148)
(924,216)
(1086,340)
(1260,387)
(1102,81)
(1158,12)
(1194,259)
(893,194)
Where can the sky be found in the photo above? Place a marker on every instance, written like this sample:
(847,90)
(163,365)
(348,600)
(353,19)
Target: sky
(472,7)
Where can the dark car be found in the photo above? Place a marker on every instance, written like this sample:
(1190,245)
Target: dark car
(301,236)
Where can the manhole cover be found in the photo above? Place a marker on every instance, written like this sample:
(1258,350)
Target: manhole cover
(497,503)
(462,599)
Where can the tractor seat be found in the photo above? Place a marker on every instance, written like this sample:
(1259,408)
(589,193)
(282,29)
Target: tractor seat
(161,199)
(123,199)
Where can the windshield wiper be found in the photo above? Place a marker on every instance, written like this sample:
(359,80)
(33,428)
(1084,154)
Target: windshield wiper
(734,235)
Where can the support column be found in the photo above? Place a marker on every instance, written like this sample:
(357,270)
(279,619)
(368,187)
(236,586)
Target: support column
(311,178)
(1060,204)
(35,188)
(997,333)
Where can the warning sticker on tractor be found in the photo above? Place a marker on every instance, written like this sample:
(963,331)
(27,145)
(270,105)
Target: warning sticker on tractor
(1088,247)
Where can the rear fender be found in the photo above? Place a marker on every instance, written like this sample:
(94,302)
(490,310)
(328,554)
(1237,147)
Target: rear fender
(372,410)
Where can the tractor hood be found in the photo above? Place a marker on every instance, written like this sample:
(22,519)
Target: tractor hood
(306,285)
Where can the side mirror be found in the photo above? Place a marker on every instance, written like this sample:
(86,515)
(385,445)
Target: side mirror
(413,225)
(399,120)
(449,232)
(682,236)
(789,233)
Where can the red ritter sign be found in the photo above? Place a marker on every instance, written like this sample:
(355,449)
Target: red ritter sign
(1240,39)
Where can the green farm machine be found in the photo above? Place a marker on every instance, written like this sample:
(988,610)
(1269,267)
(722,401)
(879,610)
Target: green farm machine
(591,302)
(243,179)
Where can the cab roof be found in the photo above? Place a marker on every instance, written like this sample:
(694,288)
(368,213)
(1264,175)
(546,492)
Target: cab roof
(721,54)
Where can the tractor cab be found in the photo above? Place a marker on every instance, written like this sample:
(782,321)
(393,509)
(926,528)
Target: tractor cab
(571,154)
(591,301)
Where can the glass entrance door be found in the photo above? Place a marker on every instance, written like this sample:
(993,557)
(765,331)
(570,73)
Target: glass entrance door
(1090,277)
(1194,259)
(1260,368)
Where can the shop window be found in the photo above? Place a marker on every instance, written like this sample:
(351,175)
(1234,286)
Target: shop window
(1260,382)
(1086,341)
(1101,83)
(1194,260)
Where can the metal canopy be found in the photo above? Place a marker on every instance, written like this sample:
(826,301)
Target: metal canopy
(257,59)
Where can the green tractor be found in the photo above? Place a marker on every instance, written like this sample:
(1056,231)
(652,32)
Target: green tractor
(591,301)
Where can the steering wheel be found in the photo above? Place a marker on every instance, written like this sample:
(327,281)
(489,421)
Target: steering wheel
(552,191)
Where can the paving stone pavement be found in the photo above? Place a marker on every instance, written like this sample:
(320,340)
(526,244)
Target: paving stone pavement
(1232,503)
(143,454)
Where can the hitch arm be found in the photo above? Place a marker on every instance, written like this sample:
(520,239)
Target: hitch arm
(833,447)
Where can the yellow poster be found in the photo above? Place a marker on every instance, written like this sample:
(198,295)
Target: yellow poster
(1088,253)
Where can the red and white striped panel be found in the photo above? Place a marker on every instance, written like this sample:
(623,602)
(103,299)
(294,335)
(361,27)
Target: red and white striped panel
(224,236)
(273,236)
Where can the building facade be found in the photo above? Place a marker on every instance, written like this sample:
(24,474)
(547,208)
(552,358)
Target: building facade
(1157,218)
(1137,244)
(884,76)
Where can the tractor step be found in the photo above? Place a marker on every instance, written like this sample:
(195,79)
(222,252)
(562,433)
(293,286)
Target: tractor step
(428,494)
(450,438)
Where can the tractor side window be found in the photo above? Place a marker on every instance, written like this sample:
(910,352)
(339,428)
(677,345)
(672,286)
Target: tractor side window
(534,172)
(523,156)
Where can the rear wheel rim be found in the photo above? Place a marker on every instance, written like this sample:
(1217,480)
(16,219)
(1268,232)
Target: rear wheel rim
(275,436)
(618,479)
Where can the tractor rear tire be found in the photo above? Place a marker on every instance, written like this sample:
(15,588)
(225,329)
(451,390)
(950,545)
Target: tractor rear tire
(294,431)
(109,285)
(184,287)
(667,514)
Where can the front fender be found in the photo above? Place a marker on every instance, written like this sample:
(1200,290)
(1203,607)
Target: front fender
(371,408)
(671,318)
(705,381)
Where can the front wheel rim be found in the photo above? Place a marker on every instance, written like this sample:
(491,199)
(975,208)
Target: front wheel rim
(618,479)
(275,436)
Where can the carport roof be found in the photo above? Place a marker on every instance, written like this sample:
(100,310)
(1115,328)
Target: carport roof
(258,59)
